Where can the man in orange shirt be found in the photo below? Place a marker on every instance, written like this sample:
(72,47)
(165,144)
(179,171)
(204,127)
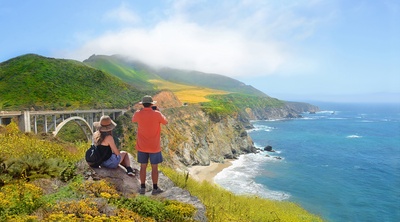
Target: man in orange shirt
(148,141)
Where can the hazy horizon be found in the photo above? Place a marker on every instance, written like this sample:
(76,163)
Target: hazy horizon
(375,98)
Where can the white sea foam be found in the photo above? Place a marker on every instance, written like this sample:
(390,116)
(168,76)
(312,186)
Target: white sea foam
(367,121)
(261,128)
(308,118)
(353,136)
(328,112)
(239,177)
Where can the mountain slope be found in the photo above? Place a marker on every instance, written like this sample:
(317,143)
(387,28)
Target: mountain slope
(32,81)
(138,74)
(134,73)
(213,81)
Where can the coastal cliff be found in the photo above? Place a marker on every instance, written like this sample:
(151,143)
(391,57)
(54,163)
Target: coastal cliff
(287,110)
(192,137)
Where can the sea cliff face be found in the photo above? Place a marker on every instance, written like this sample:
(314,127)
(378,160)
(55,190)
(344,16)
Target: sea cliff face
(194,138)
(287,110)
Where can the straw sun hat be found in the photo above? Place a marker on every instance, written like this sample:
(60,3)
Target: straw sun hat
(105,124)
(147,99)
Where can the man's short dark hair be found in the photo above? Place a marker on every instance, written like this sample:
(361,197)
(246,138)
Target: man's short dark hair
(147,104)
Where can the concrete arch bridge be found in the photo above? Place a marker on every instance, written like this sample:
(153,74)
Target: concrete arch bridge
(53,121)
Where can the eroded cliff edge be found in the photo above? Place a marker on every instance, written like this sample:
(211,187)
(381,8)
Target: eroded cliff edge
(193,137)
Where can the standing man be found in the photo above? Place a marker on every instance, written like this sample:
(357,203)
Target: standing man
(148,141)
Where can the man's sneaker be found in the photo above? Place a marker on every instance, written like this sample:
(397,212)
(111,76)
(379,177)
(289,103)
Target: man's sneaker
(142,191)
(131,173)
(156,191)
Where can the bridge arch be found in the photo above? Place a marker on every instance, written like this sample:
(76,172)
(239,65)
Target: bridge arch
(76,119)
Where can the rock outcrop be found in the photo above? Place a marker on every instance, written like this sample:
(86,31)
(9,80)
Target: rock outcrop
(128,185)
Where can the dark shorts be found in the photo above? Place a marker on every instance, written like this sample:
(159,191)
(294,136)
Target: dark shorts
(112,162)
(155,158)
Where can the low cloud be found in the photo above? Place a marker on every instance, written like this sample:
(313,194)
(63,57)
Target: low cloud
(226,42)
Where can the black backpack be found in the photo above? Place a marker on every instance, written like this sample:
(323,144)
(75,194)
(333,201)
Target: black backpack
(93,156)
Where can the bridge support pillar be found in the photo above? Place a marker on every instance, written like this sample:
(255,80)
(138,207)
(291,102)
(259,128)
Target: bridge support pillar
(25,122)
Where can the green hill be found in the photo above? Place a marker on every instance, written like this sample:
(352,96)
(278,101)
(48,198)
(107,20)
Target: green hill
(133,73)
(213,81)
(32,81)
(138,74)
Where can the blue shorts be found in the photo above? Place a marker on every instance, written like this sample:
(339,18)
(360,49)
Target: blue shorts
(155,158)
(112,162)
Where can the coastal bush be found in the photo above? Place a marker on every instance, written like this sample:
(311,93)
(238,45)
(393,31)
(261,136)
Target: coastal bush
(160,210)
(17,144)
(19,198)
(26,155)
(97,189)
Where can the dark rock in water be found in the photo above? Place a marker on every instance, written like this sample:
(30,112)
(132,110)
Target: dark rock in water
(312,112)
(278,157)
(269,148)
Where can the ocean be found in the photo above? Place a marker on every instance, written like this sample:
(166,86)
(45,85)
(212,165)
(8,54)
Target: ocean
(342,163)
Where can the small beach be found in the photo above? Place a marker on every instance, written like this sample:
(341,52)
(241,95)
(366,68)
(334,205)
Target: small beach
(207,173)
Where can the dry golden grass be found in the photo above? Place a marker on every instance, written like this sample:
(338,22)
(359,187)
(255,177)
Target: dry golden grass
(186,93)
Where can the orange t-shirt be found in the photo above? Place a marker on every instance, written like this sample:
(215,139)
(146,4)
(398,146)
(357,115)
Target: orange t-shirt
(149,129)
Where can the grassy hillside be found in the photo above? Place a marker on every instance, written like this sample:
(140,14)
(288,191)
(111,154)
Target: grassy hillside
(236,103)
(187,93)
(135,74)
(138,74)
(213,81)
(33,81)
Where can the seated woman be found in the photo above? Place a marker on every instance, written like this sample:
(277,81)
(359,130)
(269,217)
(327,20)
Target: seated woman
(104,141)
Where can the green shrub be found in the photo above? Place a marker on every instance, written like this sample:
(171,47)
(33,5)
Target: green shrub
(178,211)
(166,210)
(144,206)
(19,198)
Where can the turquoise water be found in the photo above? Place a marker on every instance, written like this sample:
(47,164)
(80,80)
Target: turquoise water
(342,163)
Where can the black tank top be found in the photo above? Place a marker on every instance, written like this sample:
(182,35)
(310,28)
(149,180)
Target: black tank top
(106,151)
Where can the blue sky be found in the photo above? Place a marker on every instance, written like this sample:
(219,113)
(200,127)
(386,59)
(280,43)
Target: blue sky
(327,50)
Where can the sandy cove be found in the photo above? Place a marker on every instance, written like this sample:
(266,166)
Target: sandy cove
(201,173)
